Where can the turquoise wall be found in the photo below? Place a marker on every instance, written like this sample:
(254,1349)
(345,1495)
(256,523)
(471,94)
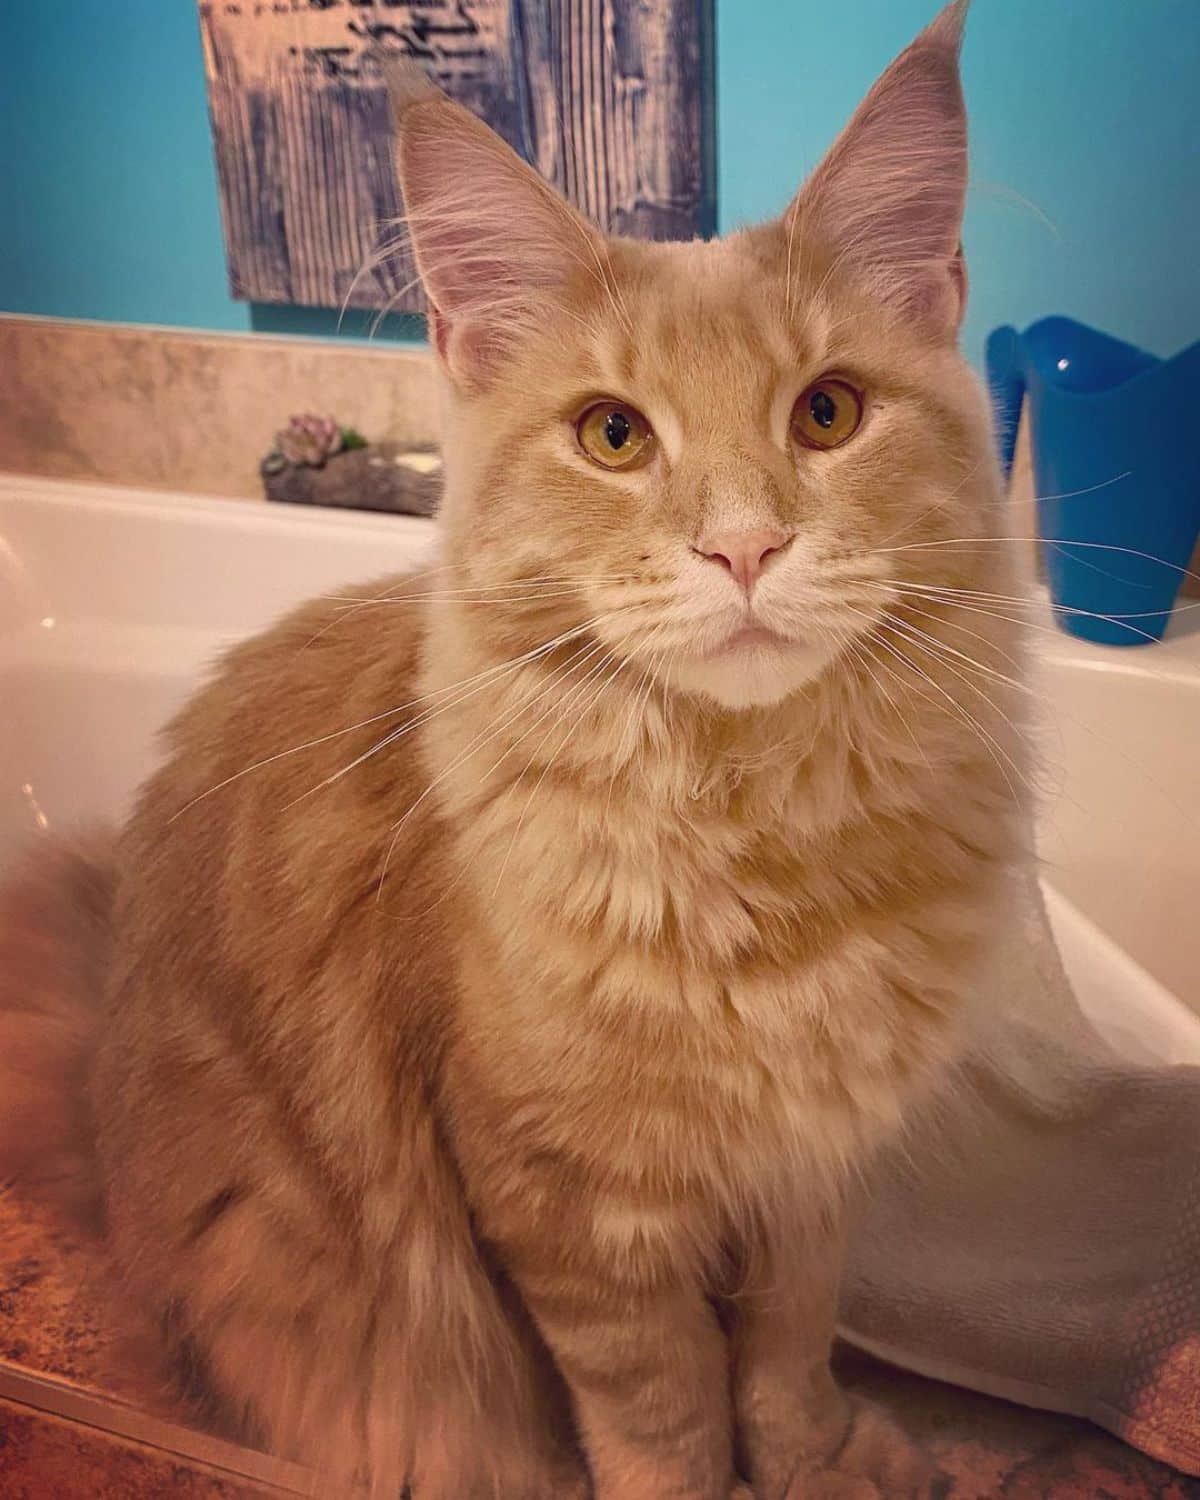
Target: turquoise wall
(109,207)
(1088,109)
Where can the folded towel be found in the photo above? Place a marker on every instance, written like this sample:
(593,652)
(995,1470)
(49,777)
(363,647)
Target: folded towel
(1037,1234)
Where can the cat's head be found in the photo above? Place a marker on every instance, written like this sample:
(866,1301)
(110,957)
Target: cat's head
(698,451)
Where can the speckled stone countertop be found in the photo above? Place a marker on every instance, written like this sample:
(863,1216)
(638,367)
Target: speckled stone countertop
(54,1320)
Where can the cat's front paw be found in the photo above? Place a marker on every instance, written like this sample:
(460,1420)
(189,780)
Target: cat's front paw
(877,1460)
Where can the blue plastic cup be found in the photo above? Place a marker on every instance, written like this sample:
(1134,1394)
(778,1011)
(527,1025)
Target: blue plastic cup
(1117,467)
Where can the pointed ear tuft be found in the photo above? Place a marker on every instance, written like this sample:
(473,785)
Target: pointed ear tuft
(889,195)
(406,82)
(946,28)
(495,245)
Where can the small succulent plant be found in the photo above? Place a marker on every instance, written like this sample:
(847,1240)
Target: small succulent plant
(310,440)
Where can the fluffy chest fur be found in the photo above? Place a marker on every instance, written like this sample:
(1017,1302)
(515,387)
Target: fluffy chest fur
(714,949)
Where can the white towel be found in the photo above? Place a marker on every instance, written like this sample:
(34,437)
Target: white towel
(1037,1236)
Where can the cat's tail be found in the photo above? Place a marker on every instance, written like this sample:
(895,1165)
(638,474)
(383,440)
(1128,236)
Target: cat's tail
(56,924)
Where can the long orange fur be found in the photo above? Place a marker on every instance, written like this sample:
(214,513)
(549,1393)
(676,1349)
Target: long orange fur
(480,1095)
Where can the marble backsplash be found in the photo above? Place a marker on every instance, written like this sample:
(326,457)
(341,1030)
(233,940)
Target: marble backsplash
(173,409)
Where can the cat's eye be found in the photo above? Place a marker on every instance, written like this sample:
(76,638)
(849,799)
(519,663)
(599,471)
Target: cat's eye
(614,435)
(829,412)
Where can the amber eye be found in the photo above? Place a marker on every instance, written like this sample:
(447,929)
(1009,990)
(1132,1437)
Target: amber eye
(827,414)
(614,435)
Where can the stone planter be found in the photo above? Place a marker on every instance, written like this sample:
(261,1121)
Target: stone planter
(380,476)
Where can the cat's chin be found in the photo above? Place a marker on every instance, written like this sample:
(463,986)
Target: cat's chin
(755,676)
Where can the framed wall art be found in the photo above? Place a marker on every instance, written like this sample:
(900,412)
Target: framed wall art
(610,99)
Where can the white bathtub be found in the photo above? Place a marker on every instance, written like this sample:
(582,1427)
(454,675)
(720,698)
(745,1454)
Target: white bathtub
(112,602)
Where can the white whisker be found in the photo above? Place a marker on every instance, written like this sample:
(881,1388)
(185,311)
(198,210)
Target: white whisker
(484,737)
(989,742)
(572,727)
(322,739)
(972,543)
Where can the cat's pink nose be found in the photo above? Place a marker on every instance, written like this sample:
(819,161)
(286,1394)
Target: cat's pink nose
(744,553)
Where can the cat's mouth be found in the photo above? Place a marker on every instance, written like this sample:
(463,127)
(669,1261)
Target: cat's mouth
(753,635)
(749,636)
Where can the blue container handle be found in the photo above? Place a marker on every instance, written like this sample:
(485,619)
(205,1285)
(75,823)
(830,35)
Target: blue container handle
(1005,360)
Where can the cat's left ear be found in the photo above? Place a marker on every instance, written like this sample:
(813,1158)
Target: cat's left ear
(889,195)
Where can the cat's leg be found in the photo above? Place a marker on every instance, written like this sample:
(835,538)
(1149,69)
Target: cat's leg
(791,1416)
(647,1365)
(800,1436)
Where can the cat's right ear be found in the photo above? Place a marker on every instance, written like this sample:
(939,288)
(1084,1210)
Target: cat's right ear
(492,239)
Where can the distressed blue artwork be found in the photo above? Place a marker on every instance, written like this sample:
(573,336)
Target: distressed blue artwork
(610,99)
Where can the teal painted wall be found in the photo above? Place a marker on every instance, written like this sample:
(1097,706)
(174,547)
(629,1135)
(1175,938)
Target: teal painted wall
(1089,109)
(110,194)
